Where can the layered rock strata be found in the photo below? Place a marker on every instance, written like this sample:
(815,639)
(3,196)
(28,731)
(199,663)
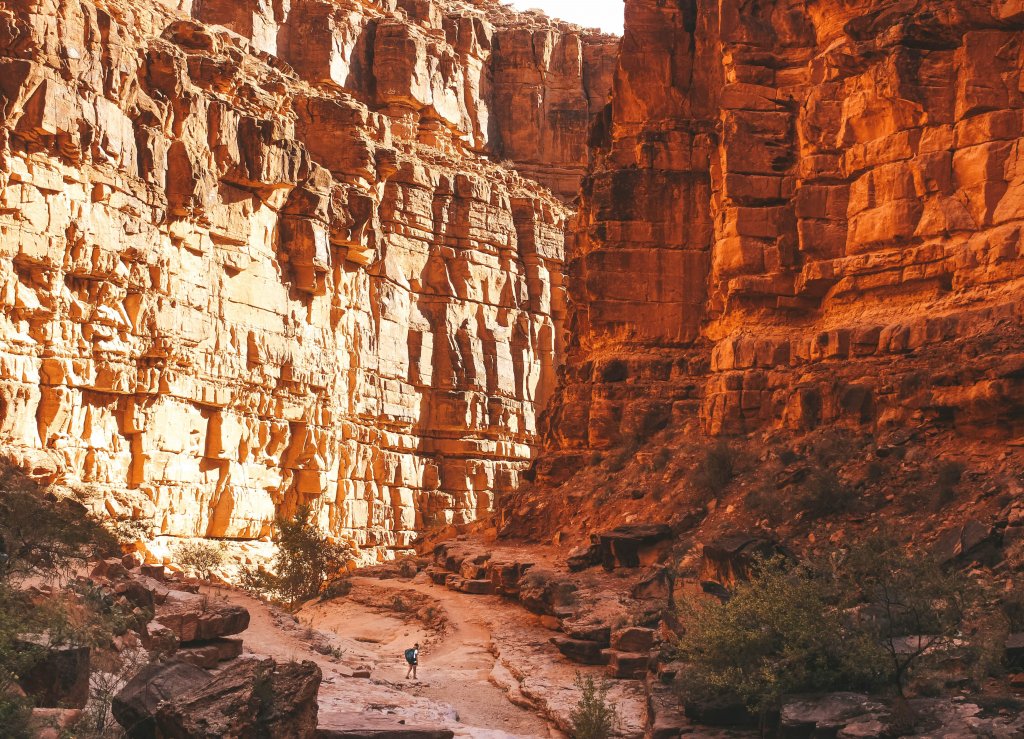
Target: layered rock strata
(801,214)
(258,255)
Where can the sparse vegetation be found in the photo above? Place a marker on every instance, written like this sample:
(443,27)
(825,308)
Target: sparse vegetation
(200,557)
(869,618)
(43,537)
(822,494)
(947,476)
(305,560)
(714,471)
(593,717)
(779,633)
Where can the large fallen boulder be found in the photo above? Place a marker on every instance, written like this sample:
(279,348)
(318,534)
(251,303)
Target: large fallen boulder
(730,559)
(251,697)
(195,617)
(631,545)
(136,704)
(547,592)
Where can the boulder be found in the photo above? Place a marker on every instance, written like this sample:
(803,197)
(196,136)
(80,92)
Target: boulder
(251,697)
(633,639)
(211,653)
(111,569)
(136,704)
(588,631)
(578,650)
(627,665)
(545,591)
(631,545)
(156,572)
(195,617)
(59,678)
(729,559)
(477,587)
(582,558)
(827,715)
(972,541)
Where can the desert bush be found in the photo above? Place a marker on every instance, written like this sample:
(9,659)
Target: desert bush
(407,568)
(779,633)
(593,717)
(910,605)
(715,470)
(304,562)
(199,557)
(622,456)
(867,618)
(41,534)
(822,493)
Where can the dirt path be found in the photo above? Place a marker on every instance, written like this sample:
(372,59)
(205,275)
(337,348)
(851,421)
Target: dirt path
(458,669)
(454,686)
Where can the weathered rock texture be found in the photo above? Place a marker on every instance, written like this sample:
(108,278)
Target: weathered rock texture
(802,214)
(252,268)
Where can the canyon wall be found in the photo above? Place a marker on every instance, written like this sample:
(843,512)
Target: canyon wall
(259,254)
(802,214)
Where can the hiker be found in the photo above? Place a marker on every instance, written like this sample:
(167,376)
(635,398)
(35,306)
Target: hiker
(412,656)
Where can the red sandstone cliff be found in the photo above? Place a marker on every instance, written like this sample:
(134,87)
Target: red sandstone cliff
(803,215)
(258,254)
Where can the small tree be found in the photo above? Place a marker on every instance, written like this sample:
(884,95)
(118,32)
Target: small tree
(908,603)
(304,561)
(593,717)
(200,557)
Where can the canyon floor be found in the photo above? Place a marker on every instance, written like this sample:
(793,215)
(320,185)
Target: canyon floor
(487,667)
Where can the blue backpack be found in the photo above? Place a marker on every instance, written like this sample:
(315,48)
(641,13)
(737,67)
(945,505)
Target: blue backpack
(410,655)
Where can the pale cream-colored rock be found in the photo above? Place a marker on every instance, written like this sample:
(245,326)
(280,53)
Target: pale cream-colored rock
(260,257)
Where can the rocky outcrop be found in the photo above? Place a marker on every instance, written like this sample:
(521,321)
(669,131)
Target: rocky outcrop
(800,215)
(258,255)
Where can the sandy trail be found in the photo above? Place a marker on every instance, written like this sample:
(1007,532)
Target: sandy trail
(453,688)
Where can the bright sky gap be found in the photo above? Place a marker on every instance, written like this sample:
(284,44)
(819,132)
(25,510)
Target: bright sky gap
(604,14)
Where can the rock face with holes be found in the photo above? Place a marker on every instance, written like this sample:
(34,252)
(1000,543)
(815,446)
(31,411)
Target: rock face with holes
(800,215)
(259,254)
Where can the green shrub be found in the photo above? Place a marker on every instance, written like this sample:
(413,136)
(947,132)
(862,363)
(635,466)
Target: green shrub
(714,471)
(593,717)
(199,557)
(918,609)
(41,534)
(870,617)
(304,562)
(778,633)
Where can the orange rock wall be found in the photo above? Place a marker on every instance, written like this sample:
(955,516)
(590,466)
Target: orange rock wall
(801,213)
(257,254)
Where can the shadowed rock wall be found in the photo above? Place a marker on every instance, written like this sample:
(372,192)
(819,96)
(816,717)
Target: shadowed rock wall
(801,213)
(251,268)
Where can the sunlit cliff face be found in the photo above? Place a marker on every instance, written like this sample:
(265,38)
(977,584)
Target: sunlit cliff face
(261,256)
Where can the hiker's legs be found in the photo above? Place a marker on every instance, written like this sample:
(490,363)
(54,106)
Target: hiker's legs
(413,670)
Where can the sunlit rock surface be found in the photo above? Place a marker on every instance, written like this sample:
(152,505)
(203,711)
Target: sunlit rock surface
(260,254)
